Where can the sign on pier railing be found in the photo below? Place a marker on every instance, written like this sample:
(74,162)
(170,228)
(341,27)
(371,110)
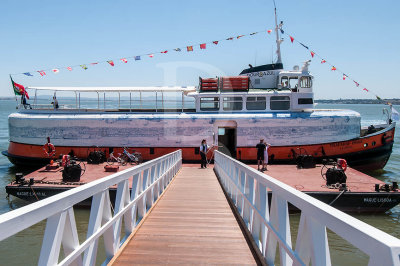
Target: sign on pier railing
(149,180)
(269,225)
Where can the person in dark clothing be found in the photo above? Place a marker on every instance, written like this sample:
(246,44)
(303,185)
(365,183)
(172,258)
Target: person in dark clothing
(260,153)
(24,103)
(203,153)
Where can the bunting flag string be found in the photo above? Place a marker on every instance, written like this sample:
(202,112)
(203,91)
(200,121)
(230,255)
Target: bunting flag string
(333,68)
(189,48)
(202,46)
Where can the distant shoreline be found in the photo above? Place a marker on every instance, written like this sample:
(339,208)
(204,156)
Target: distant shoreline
(394,101)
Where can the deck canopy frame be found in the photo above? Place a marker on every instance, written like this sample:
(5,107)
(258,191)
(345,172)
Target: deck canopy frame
(159,92)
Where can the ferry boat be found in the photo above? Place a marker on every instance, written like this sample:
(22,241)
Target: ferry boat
(232,113)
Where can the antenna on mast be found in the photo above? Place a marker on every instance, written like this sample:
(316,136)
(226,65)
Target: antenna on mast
(278,40)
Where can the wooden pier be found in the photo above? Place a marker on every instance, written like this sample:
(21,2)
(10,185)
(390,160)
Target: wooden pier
(191,224)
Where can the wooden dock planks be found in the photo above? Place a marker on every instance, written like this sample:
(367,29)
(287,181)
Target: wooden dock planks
(191,224)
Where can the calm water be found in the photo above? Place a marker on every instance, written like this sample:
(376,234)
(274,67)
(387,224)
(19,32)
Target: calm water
(24,248)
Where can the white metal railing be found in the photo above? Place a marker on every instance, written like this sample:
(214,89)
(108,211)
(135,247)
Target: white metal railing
(269,225)
(148,182)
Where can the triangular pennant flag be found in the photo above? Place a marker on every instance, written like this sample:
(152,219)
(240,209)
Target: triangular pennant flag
(137,57)
(344,76)
(323,61)
(124,60)
(94,63)
(230,39)
(215,42)
(69,68)
(151,55)
(42,73)
(240,36)
(164,52)
(28,74)
(379,98)
(189,48)
(111,62)
(178,49)
(203,46)
(365,89)
(269,31)
(55,70)
(253,33)
(357,84)
(291,38)
(333,68)
(84,67)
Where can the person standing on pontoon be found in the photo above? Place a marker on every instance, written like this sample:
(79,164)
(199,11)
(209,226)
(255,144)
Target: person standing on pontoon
(203,153)
(265,162)
(260,153)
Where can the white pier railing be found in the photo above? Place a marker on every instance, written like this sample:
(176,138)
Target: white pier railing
(269,225)
(148,182)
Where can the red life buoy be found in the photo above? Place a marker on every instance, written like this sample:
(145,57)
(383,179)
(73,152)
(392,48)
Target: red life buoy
(342,164)
(49,149)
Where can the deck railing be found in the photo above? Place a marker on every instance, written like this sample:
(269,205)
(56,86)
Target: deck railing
(270,225)
(148,182)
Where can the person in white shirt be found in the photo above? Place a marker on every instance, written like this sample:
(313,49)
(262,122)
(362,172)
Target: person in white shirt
(203,153)
(265,162)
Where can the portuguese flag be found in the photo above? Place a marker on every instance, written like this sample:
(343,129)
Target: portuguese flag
(19,89)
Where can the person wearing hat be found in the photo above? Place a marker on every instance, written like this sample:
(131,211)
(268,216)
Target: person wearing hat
(260,153)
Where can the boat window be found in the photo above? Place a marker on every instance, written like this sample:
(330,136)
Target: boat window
(305,82)
(293,82)
(280,102)
(305,101)
(209,103)
(233,103)
(256,103)
(284,82)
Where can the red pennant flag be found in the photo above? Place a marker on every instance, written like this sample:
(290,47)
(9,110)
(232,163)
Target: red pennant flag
(215,42)
(312,54)
(365,90)
(124,60)
(333,68)
(164,52)
(151,55)
(203,46)
(357,84)
(269,31)
(42,73)
(94,63)
(230,39)
(291,38)
(55,70)
(344,76)
(111,62)
(323,61)
(189,48)
(69,68)
(240,36)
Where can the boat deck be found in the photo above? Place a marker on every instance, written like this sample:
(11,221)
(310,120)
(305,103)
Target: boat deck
(191,224)
(360,195)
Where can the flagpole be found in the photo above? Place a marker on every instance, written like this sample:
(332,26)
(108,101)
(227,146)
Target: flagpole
(12,84)
(278,41)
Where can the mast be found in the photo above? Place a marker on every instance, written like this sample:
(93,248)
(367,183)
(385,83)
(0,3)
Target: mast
(278,40)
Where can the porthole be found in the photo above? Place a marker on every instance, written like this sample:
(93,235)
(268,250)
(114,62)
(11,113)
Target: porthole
(373,143)
(365,145)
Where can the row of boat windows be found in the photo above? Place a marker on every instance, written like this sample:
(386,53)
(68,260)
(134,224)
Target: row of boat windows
(292,82)
(252,103)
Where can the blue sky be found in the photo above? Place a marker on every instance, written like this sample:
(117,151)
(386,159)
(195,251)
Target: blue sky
(361,38)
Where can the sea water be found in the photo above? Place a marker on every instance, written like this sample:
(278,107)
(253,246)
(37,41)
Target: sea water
(24,248)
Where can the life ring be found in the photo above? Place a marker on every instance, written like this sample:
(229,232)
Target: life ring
(49,149)
(342,164)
